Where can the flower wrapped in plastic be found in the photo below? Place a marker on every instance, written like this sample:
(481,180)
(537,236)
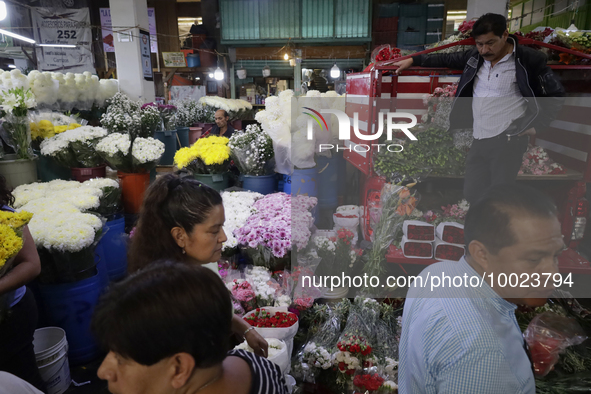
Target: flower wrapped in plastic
(396,201)
(16,102)
(75,148)
(252,151)
(238,207)
(141,155)
(264,286)
(243,293)
(47,124)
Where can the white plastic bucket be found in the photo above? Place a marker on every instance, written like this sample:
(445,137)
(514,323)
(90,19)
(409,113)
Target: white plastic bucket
(51,353)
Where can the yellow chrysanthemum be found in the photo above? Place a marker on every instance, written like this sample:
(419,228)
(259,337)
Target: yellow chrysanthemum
(35,131)
(15,220)
(73,126)
(183,157)
(215,154)
(60,129)
(10,243)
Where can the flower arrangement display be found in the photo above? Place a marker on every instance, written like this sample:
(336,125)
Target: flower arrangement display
(188,112)
(265,319)
(117,150)
(15,104)
(167,115)
(209,155)
(337,253)
(75,148)
(236,108)
(238,206)
(435,153)
(150,120)
(252,149)
(536,162)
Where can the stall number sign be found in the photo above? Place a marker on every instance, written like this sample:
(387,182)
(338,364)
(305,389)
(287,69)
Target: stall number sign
(174,59)
(71,27)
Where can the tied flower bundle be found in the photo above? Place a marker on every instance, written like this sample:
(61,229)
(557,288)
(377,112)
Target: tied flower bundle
(123,115)
(167,115)
(265,288)
(418,249)
(449,252)
(209,155)
(385,52)
(453,235)
(368,382)
(252,149)
(238,207)
(243,292)
(420,233)
(15,104)
(140,156)
(11,224)
(263,318)
(536,162)
(75,148)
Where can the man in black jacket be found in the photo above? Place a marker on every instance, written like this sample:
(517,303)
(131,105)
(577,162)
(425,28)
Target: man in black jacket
(507,93)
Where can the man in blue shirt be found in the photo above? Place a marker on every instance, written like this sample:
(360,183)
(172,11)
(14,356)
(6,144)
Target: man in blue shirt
(460,335)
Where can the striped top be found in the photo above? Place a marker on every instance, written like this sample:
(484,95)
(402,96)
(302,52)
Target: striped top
(266,376)
(461,340)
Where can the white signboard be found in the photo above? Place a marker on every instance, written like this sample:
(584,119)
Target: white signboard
(107,30)
(146,59)
(63,27)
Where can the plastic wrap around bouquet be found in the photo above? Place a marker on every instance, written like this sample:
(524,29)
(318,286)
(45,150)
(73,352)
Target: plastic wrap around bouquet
(274,322)
(252,150)
(278,353)
(46,124)
(75,148)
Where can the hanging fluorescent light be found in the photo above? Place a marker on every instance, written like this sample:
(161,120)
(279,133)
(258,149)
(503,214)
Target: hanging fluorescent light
(11,66)
(3,12)
(286,56)
(218,74)
(266,71)
(57,45)
(335,71)
(14,35)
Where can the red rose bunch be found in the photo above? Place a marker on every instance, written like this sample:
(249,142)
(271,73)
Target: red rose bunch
(418,249)
(345,235)
(453,235)
(388,53)
(420,233)
(466,26)
(369,382)
(354,344)
(264,318)
(449,252)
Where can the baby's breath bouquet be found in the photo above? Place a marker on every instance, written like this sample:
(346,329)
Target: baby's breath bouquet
(210,155)
(252,149)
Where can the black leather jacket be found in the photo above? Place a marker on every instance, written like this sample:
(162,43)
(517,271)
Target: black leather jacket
(534,79)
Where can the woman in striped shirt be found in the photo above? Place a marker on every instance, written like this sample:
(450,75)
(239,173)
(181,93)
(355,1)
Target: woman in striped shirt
(167,330)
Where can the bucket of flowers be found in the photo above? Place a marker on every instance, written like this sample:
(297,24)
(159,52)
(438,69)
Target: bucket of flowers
(252,151)
(133,159)
(274,322)
(208,160)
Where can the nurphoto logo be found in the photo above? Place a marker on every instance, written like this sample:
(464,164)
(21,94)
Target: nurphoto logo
(345,129)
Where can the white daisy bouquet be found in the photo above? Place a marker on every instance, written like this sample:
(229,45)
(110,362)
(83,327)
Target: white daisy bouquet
(252,151)
(15,104)
(121,153)
(75,148)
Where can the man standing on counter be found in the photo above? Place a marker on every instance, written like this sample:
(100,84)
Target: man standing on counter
(503,83)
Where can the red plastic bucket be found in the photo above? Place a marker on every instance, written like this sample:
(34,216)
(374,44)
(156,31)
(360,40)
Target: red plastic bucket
(133,188)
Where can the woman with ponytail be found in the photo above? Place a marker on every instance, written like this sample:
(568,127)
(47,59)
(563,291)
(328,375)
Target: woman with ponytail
(182,219)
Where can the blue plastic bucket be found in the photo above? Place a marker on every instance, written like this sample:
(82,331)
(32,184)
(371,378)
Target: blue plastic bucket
(193,60)
(112,249)
(264,184)
(70,307)
(286,184)
(327,181)
(183,140)
(101,265)
(168,137)
(303,181)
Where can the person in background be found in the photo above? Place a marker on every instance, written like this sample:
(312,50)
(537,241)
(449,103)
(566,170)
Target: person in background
(182,219)
(466,339)
(17,355)
(167,330)
(222,127)
(507,93)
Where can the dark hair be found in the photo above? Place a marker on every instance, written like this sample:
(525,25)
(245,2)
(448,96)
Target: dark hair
(489,23)
(489,219)
(173,200)
(165,309)
(6,197)
(225,112)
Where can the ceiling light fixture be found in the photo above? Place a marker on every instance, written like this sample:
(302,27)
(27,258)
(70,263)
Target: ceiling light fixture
(14,35)
(58,45)
(335,71)
(218,74)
